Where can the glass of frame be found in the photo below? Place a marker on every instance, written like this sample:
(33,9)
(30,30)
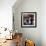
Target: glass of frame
(28,19)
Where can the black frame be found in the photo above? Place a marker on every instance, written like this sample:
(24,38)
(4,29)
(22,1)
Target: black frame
(32,13)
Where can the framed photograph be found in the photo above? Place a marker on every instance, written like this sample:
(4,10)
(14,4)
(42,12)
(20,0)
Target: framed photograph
(28,19)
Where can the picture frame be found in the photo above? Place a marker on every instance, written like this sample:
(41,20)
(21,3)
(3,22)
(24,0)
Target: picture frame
(28,19)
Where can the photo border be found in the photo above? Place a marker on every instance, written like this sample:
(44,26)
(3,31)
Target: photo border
(35,20)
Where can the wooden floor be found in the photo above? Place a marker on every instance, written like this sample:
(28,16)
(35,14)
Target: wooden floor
(9,43)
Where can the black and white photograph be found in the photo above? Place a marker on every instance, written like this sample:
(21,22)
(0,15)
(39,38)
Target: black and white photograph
(28,19)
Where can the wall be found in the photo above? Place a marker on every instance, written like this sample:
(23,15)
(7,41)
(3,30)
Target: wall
(6,13)
(28,6)
(6,16)
(43,22)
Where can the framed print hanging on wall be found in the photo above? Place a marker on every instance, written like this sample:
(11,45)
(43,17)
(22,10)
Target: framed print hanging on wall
(28,19)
